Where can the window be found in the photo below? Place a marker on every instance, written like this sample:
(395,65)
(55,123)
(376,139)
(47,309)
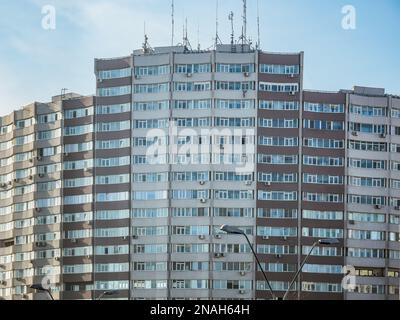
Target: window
(78,147)
(193,68)
(324,125)
(279,69)
(277,213)
(321,161)
(152,88)
(367,164)
(81,199)
(113,91)
(279,123)
(48,118)
(322,179)
(277,196)
(323,215)
(279,87)
(113,162)
(323,108)
(192,86)
(278,141)
(78,182)
(234,122)
(113,74)
(112,215)
(322,233)
(151,105)
(234,104)
(151,213)
(368,111)
(235,86)
(152,70)
(113,179)
(78,113)
(113,109)
(235,68)
(78,130)
(278,159)
(192,104)
(279,105)
(367,128)
(47,135)
(276,232)
(323,143)
(113,144)
(112,197)
(323,197)
(113,126)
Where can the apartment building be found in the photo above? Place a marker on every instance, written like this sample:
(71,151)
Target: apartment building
(127,190)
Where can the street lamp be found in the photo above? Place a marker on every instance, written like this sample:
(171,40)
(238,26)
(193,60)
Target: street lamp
(234,230)
(328,242)
(108,293)
(39,287)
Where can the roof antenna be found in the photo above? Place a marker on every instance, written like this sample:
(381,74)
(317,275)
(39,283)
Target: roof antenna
(244,30)
(217,38)
(198,36)
(173,23)
(230,17)
(186,43)
(258,26)
(146,47)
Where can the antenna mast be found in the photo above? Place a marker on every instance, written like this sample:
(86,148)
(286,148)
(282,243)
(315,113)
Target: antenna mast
(217,38)
(173,23)
(146,47)
(258,26)
(230,17)
(244,35)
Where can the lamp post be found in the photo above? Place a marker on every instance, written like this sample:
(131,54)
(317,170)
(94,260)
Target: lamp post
(328,242)
(108,293)
(39,287)
(234,230)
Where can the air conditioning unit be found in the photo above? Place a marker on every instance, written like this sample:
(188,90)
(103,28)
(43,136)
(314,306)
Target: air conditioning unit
(292,93)
(221,146)
(41,175)
(219,255)
(397,208)
(4,185)
(285,238)
(242,273)
(247,74)
(278,256)
(39,158)
(73,240)
(268,183)
(189,74)
(66,154)
(354,133)
(352,222)
(16,180)
(25,296)
(38,209)
(203,200)
(31,160)
(249,183)
(202,183)
(265,237)
(218,236)
(137,76)
(57,258)
(378,206)
(2,266)
(30,177)
(88,257)
(135,237)
(242,291)
(87,170)
(125,238)
(3,283)
(291,75)
(383,135)
(19,279)
(244,93)
(202,237)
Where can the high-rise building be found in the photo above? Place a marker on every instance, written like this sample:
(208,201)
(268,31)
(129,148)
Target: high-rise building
(128,190)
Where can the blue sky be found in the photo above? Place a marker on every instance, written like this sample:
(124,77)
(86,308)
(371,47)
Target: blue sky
(36,64)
